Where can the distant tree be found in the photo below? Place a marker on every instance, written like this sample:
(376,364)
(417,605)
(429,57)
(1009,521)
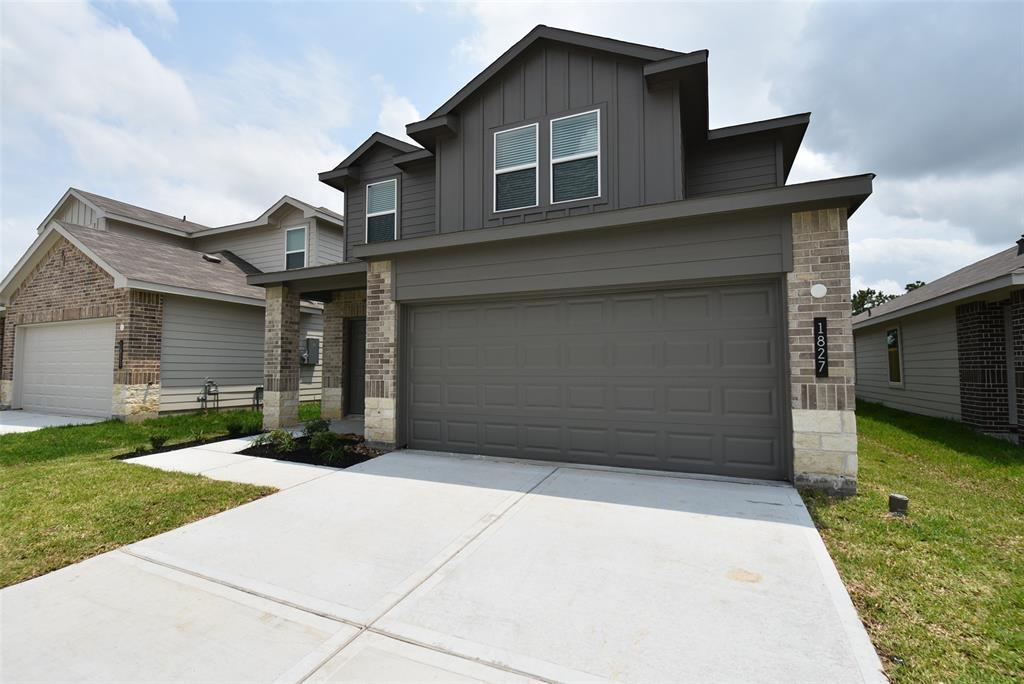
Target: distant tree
(868,298)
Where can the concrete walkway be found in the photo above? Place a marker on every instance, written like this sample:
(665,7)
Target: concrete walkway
(220,461)
(426,567)
(27,421)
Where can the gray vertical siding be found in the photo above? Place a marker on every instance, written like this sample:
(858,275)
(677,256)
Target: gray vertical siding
(222,341)
(641,144)
(375,165)
(77,212)
(732,165)
(930,369)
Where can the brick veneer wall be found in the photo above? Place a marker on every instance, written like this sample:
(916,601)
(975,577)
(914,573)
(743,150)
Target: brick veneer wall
(1017,328)
(379,418)
(281,358)
(343,305)
(824,425)
(68,286)
(981,352)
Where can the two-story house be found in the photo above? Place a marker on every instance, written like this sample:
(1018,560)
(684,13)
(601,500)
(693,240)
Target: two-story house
(116,310)
(572,266)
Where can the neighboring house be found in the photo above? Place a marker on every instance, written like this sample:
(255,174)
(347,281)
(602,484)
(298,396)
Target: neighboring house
(116,310)
(571,266)
(953,348)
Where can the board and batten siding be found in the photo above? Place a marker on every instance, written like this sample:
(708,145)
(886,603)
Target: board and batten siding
(224,342)
(77,212)
(739,164)
(669,252)
(641,135)
(931,380)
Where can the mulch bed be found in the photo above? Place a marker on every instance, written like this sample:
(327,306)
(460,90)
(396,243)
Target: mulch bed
(352,446)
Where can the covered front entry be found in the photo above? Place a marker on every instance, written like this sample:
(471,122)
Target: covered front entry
(686,379)
(66,368)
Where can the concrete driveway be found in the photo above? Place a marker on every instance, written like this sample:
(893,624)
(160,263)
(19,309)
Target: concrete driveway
(27,421)
(428,567)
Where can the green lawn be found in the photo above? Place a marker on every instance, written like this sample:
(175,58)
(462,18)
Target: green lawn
(64,498)
(942,591)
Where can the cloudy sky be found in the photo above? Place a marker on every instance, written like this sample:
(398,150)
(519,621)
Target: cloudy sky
(217,109)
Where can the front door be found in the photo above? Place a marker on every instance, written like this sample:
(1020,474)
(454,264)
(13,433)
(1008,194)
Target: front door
(355,366)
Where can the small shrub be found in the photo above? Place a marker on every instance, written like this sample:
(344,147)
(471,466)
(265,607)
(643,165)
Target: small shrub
(158,441)
(282,440)
(261,440)
(335,457)
(322,442)
(316,426)
(197,435)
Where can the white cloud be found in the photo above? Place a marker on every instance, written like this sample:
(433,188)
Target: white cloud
(395,112)
(220,147)
(160,10)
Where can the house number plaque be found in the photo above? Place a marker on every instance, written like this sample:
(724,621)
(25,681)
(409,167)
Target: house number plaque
(821,347)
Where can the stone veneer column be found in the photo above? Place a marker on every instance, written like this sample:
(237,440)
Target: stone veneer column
(281,358)
(137,341)
(343,305)
(824,423)
(379,420)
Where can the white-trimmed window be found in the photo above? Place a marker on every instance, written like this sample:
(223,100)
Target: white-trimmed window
(515,168)
(295,247)
(576,157)
(894,351)
(381,211)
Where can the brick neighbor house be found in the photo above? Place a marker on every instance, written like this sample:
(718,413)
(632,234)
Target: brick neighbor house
(116,310)
(953,348)
(571,266)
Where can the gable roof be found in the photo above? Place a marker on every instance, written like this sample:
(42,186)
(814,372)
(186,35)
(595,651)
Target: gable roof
(144,265)
(542,32)
(1000,270)
(342,171)
(117,208)
(308,211)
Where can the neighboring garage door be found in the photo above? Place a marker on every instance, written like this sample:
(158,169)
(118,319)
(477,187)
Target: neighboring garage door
(685,379)
(66,367)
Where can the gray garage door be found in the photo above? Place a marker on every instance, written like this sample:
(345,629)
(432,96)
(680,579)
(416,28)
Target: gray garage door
(686,380)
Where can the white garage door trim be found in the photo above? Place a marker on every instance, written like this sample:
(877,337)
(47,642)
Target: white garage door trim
(65,367)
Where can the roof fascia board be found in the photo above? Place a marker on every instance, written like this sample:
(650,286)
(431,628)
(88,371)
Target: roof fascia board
(375,138)
(192,292)
(760,126)
(336,177)
(671,69)
(425,132)
(263,220)
(298,274)
(975,290)
(403,160)
(851,191)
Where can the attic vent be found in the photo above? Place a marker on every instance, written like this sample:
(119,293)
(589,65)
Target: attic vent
(1020,246)
(212,258)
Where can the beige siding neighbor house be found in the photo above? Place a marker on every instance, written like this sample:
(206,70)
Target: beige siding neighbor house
(117,310)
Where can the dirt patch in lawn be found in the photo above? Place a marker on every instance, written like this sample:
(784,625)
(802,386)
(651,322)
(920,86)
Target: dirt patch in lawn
(349,450)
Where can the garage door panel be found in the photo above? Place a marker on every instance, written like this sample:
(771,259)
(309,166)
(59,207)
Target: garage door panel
(681,380)
(66,367)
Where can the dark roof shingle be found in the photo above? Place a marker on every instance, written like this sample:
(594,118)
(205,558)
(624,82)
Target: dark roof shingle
(989,268)
(163,264)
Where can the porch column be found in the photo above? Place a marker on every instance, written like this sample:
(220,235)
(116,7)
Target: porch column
(379,421)
(344,305)
(824,422)
(281,358)
(332,395)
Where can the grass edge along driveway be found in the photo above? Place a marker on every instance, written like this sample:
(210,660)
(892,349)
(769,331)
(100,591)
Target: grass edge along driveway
(941,592)
(64,498)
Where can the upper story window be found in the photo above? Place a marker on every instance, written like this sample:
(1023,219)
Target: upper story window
(381,211)
(295,247)
(515,168)
(576,157)
(894,350)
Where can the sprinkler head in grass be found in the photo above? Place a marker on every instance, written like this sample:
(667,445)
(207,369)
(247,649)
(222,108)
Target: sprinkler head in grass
(898,504)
